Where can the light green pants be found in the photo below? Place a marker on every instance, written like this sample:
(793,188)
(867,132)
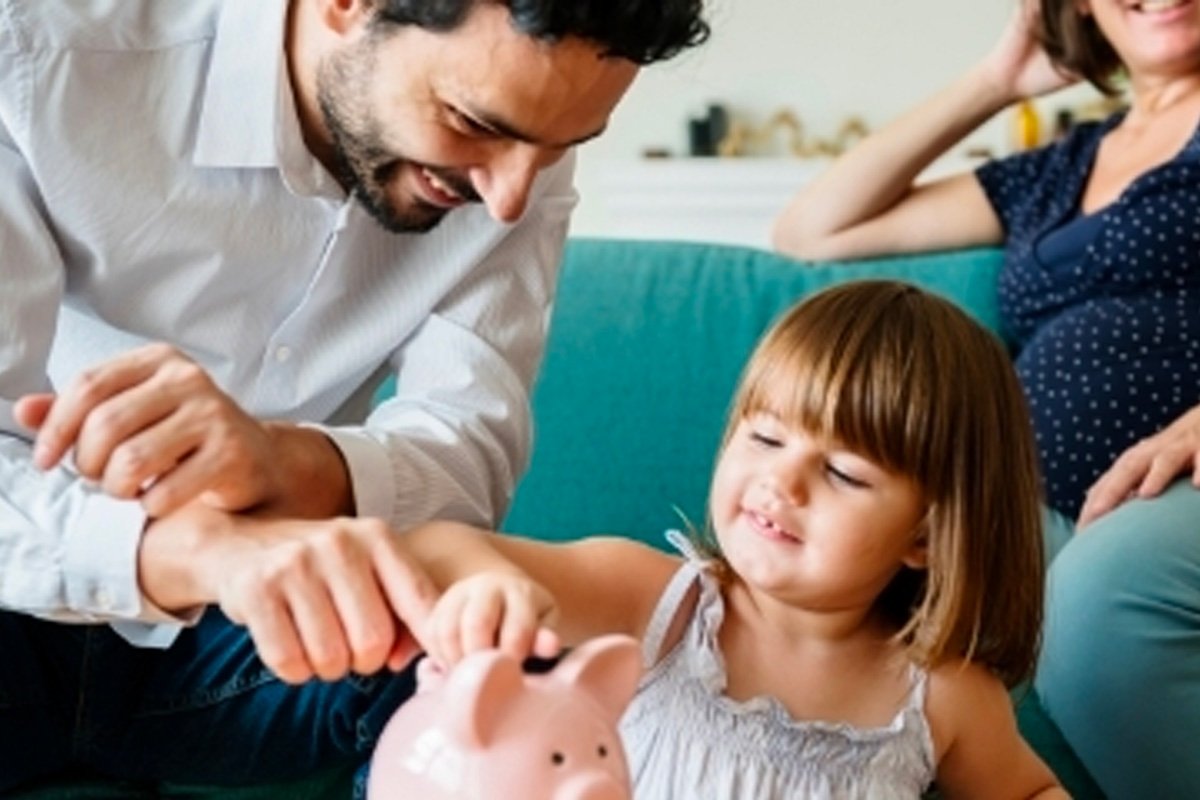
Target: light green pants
(1120,666)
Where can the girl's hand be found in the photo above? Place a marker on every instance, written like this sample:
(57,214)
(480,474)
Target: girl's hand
(1017,65)
(492,610)
(1145,469)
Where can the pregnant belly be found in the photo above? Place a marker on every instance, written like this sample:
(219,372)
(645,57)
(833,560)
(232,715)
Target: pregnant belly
(1098,379)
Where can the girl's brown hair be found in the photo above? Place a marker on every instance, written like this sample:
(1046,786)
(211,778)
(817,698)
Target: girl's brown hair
(1076,45)
(908,380)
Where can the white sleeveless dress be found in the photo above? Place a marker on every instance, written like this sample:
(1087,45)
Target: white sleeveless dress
(686,740)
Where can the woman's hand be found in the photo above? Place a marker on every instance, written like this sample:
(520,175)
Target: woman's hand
(492,610)
(1017,65)
(1147,468)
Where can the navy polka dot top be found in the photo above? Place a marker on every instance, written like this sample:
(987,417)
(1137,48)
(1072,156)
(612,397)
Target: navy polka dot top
(1104,309)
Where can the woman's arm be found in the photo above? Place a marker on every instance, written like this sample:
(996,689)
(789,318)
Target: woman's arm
(980,751)
(501,589)
(866,204)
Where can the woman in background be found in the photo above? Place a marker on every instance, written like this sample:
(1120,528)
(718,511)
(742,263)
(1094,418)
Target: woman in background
(1101,293)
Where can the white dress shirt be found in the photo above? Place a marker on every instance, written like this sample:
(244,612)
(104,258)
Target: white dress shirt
(154,186)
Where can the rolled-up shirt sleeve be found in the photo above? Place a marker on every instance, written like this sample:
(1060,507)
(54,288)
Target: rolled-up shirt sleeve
(67,552)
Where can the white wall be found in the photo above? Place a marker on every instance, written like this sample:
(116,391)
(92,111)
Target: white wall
(824,60)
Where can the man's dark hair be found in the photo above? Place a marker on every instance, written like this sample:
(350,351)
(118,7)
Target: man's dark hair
(641,31)
(1076,45)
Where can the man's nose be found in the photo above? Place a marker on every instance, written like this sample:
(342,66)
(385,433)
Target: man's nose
(506,184)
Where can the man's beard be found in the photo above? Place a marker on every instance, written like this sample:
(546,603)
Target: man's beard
(361,163)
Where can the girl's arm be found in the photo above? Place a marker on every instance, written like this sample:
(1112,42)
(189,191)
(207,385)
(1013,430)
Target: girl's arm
(499,589)
(866,204)
(980,751)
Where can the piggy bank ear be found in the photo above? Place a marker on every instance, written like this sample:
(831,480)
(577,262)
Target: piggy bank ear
(608,668)
(476,693)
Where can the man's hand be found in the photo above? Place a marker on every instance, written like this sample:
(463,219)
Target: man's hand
(1147,468)
(319,599)
(492,610)
(152,425)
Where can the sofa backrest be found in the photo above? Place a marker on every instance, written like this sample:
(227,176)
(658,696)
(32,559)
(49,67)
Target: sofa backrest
(647,341)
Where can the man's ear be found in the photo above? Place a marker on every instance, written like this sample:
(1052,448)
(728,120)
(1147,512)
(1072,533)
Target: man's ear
(341,16)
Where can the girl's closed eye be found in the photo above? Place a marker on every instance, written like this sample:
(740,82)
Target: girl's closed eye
(846,476)
(763,439)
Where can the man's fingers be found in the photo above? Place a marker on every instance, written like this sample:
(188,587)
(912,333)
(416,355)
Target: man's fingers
(194,473)
(137,412)
(403,652)
(320,630)
(148,467)
(31,410)
(365,617)
(410,593)
(61,427)
(275,637)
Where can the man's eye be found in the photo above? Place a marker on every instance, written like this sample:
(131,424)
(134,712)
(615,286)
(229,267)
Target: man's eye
(469,124)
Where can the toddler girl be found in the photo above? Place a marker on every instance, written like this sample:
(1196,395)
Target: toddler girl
(870,584)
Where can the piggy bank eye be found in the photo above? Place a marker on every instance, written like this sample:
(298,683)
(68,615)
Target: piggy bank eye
(602,751)
(557,759)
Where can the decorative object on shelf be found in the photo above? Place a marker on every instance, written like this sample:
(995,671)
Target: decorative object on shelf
(1064,120)
(705,133)
(1027,126)
(1031,129)
(745,139)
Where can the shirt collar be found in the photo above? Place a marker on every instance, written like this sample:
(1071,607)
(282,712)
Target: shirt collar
(248,116)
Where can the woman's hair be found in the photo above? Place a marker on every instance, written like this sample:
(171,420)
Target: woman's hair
(908,380)
(1076,45)
(641,31)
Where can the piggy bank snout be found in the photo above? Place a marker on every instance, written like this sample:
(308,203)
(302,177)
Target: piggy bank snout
(592,786)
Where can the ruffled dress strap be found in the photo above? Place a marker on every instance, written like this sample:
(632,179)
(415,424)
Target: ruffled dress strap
(671,598)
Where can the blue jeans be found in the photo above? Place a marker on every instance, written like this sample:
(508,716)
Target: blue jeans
(203,711)
(1120,666)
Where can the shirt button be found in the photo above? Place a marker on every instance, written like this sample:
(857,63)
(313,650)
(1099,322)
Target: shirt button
(283,353)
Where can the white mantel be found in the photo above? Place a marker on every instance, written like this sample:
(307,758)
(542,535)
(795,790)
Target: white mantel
(727,200)
(730,200)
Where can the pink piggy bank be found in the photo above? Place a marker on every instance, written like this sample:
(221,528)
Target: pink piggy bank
(487,731)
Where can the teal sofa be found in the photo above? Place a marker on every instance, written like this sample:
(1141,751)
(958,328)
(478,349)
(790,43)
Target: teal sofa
(647,341)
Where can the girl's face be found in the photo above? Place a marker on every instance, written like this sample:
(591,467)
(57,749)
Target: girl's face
(810,522)
(1150,36)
